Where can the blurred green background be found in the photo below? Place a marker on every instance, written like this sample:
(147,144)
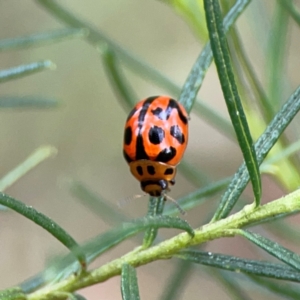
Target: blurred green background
(87,130)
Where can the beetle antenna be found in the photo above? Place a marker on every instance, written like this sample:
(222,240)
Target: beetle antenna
(181,210)
(123,202)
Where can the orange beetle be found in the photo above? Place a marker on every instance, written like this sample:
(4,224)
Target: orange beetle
(155,138)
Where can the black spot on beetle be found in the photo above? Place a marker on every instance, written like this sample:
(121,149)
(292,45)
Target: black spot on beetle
(156,135)
(139,170)
(169,171)
(128,136)
(140,149)
(177,134)
(157,112)
(166,154)
(151,170)
(144,110)
(173,104)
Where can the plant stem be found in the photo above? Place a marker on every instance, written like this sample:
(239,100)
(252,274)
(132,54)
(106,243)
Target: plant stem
(222,228)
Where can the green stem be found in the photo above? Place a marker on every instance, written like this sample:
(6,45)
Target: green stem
(164,250)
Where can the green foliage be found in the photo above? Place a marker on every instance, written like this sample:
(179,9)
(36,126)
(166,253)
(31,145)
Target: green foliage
(270,152)
(24,70)
(231,95)
(236,264)
(129,284)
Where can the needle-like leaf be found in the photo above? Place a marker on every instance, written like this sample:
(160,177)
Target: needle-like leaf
(24,70)
(121,87)
(129,283)
(38,156)
(155,208)
(195,79)
(236,264)
(292,10)
(30,102)
(230,92)
(285,255)
(262,147)
(275,66)
(40,39)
